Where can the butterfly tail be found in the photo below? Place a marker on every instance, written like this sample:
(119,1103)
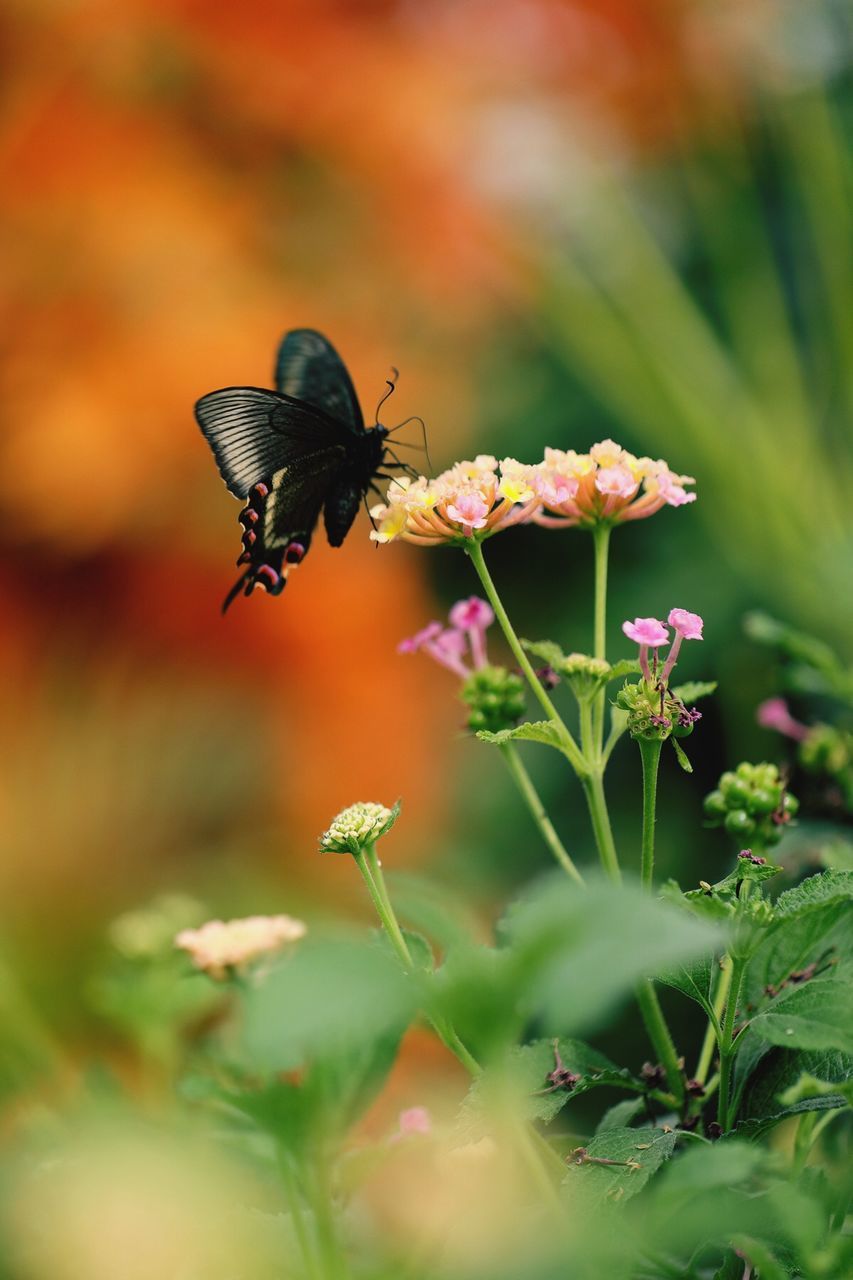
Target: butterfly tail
(241,582)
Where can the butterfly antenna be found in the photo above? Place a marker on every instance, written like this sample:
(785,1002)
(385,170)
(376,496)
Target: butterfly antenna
(390,383)
(405,423)
(405,467)
(234,592)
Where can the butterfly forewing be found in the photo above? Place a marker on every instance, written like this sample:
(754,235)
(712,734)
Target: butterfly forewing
(309,368)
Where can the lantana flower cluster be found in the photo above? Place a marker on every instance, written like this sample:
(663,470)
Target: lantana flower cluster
(221,946)
(655,711)
(475,499)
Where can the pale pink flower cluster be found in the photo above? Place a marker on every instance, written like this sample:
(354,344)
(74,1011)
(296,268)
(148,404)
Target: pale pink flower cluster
(414,1120)
(651,633)
(478,498)
(222,945)
(471,498)
(774,714)
(449,646)
(608,483)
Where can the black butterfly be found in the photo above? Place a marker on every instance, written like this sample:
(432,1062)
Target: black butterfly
(293,452)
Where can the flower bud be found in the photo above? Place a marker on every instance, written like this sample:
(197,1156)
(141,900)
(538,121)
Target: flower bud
(495,699)
(357,827)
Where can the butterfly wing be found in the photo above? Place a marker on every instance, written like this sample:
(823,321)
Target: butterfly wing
(309,368)
(254,433)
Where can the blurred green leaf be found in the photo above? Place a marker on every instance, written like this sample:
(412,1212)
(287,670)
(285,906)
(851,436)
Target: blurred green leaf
(694,690)
(332,995)
(620,1114)
(776,1071)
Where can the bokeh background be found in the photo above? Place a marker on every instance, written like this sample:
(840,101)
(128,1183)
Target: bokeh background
(561,221)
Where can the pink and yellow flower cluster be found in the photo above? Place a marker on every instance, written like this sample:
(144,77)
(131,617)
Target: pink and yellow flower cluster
(221,946)
(478,498)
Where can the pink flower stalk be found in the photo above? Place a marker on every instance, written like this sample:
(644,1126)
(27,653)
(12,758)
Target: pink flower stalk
(687,626)
(649,633)
(606,484)
(774,714)
(471,499)
(414,1120)
(447,645)
(473,616)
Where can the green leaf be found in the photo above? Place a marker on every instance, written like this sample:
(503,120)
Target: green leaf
(818,1015)
(590,1186)
(547,650)
(776,1072)
(811,926)
(333,995)
(809,1087)
(693,690)
(578,952)
(681,756)
(544,731)
(531,1064)
(621,1114)
(693,979)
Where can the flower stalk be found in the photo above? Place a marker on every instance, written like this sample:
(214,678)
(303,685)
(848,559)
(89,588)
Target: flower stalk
(537,810)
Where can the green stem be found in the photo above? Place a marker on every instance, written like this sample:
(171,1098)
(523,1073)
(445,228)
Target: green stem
(368,864)
(650,749)
(333,1264)
(658,1033)
(475,553)
(713,1035)
(601,543)
(594,791)
(724,1116)
(297,1217)
(383,907)
(537,810)
(803,1142)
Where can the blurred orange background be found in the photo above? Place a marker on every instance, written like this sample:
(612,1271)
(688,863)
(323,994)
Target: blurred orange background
(184,180)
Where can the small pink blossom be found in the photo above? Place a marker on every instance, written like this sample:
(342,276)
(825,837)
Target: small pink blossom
(421,638)
(414,1120)
(649,632)
(688,625)
(470,510)
(472,612)
(221,946)
(616,480)
(774,714)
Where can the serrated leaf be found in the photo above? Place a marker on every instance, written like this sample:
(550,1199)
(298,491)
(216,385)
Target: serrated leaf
(818,1016)
(531,1064)
(693,690)
(590,1186)
(544,731)
(681,756)
(815,892)
(777,1070)
(811,927)
(693,979)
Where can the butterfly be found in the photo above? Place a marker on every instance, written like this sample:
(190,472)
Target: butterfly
(292,453)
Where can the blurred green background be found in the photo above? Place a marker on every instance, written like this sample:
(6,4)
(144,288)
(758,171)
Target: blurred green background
(562,221)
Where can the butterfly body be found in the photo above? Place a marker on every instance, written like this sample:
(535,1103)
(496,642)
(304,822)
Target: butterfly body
(291,454)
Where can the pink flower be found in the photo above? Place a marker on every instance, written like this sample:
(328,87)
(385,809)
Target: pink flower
(414,1120)
(688,625)
(473,616)
(470,499)
(470,510)
(608,484)
(472,612)
(774,714)
(421,638)
(648,632)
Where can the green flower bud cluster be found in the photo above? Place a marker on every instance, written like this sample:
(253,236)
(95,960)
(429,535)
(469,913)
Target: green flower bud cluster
(655,714)
(495,699)
(752,804)
(358,826)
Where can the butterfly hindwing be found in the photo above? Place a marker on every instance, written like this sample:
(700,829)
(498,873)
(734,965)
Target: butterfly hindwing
(309,368)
